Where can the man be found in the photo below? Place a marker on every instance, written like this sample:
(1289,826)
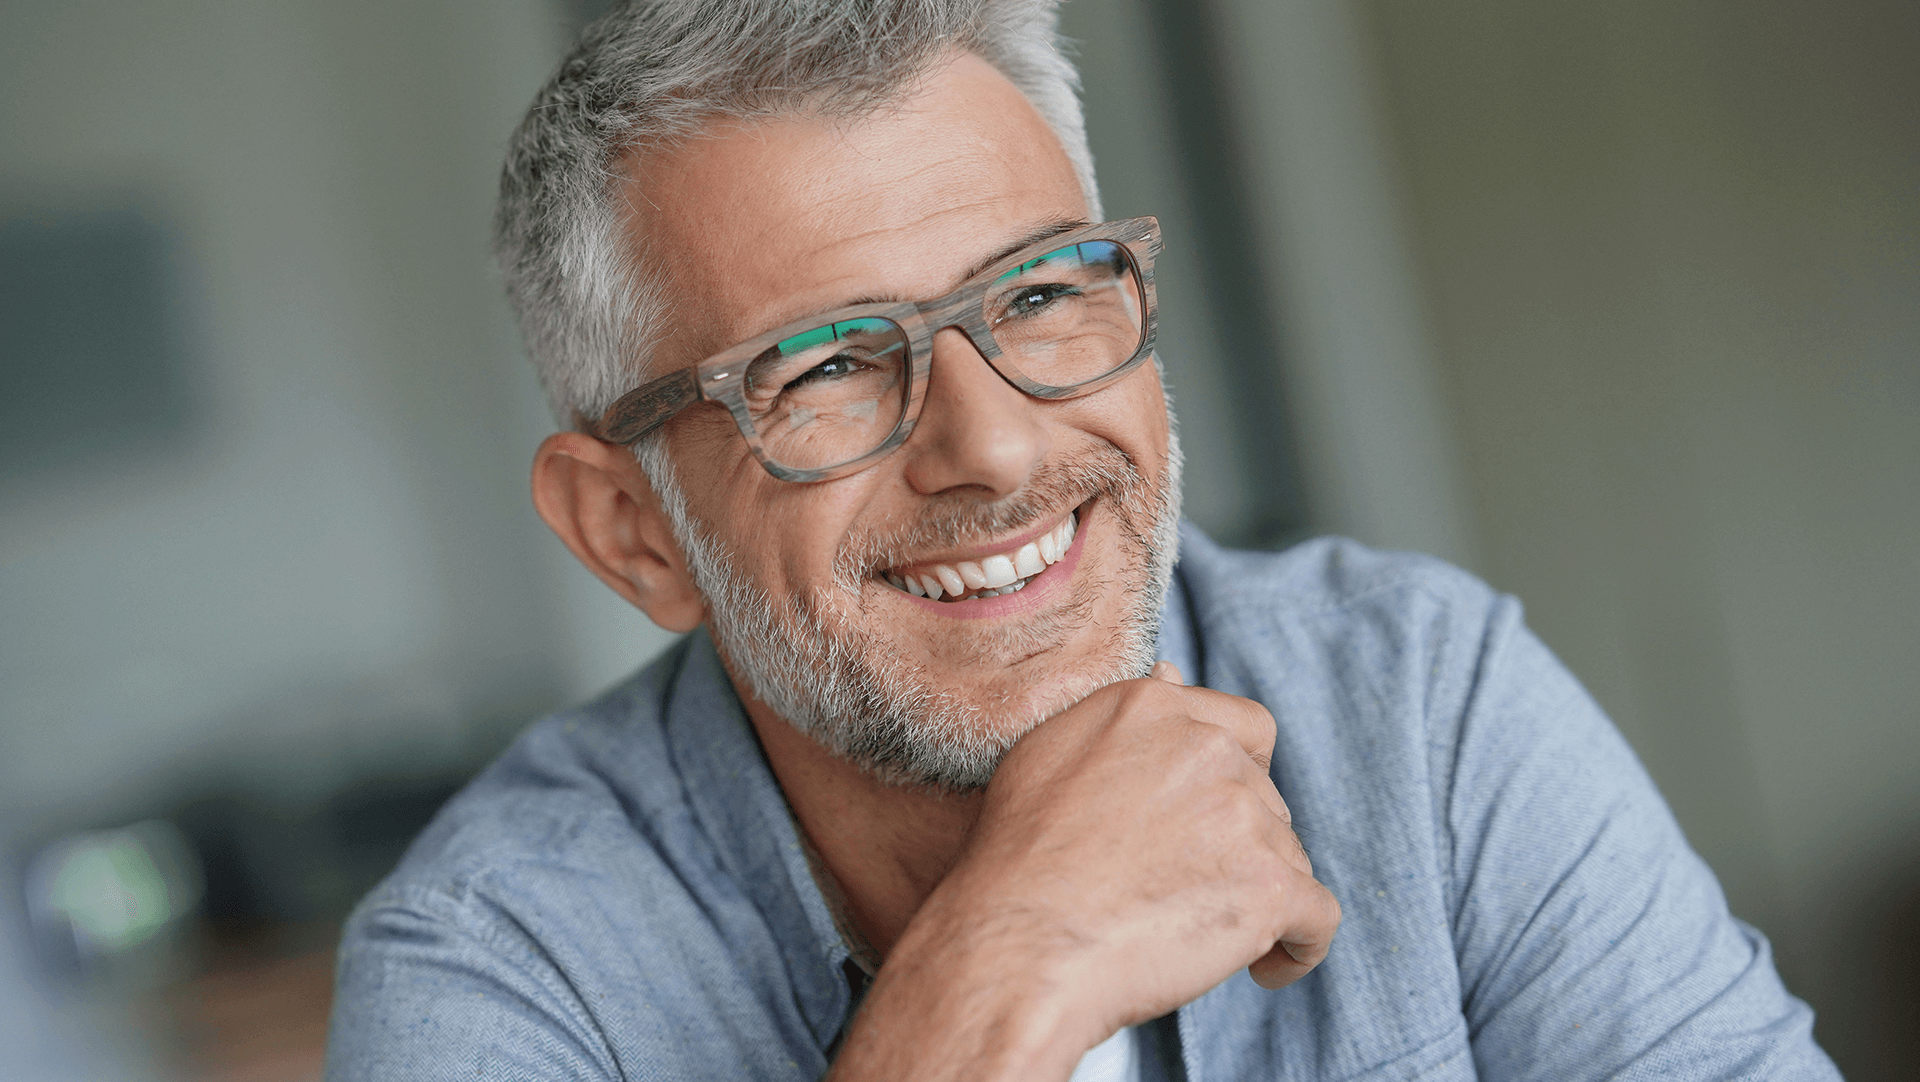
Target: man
(860,399)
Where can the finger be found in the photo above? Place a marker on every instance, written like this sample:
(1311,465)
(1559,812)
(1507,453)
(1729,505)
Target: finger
(1288,844)
(1280,838)
(1168,671)
(1249,722)
(1304,943)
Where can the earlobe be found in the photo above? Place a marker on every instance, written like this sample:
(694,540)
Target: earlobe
(596,498)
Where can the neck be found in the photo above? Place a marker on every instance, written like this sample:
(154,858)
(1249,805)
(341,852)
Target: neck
(887,847)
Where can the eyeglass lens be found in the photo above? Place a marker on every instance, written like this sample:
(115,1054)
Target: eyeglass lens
(836,392)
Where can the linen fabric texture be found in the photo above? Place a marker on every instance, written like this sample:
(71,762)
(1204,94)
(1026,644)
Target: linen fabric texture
(622,895)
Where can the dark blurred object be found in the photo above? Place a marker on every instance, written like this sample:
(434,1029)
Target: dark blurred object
(1873,1029)
(293,864)
(1239,277)
(92,355)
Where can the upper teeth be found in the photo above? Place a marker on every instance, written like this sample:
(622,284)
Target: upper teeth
(993,575)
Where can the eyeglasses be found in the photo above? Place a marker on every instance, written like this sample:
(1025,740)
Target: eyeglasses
(830,395)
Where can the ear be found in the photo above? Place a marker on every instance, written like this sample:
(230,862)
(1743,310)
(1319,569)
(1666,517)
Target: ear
(597,499)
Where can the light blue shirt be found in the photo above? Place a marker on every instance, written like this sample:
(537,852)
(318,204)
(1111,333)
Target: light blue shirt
(623,896)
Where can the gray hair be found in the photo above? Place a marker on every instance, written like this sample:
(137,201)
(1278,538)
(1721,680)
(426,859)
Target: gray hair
(651,72)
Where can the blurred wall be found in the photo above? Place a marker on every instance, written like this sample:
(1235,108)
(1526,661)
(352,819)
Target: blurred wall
(1130,128)
(1287,108)
(332,569)
(1671,253)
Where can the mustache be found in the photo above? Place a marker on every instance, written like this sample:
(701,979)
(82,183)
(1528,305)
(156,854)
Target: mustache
(956,518)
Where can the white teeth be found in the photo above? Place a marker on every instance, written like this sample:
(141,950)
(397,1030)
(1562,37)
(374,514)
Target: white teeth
(999,570)
(1027,561)
(993,575)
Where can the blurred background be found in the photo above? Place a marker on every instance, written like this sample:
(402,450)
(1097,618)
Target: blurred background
(1616,305)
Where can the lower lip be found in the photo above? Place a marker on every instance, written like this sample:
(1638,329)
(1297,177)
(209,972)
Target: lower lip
(1029,597)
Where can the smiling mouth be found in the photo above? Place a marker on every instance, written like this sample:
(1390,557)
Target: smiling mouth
(991,576)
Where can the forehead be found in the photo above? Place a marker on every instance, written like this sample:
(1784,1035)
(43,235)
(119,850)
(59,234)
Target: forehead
(756,223)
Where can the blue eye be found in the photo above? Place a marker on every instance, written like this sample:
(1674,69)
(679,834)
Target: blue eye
(1032,299)
(838,366)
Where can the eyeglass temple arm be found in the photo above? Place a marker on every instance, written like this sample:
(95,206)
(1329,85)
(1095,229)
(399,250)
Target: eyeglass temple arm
(647,407)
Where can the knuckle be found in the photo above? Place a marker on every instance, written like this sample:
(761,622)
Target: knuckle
(1209,740)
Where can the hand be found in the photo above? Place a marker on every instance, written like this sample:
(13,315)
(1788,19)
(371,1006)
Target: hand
(1130,853)
(1141,832)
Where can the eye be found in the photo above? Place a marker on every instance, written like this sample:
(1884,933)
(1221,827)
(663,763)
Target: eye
(838,366)
(1029,300)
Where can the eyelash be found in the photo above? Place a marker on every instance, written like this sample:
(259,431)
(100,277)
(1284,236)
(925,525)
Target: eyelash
(1053,291)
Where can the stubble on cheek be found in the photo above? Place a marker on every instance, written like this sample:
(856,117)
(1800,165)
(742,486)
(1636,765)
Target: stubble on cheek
(844,668)
(1124,517)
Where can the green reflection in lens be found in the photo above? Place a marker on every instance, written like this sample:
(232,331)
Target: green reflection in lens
(832,332)
(806,340)
(1071,252)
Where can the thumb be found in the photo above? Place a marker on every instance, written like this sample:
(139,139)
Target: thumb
(1168,671)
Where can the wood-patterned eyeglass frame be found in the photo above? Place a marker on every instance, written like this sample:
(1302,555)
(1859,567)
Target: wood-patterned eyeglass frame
(722,377)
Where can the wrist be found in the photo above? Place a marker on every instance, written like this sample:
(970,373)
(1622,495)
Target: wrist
(972,993)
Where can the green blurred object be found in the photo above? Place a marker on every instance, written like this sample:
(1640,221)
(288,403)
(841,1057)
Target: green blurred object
(115,889)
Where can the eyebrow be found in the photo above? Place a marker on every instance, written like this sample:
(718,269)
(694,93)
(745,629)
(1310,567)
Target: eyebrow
(1031,237)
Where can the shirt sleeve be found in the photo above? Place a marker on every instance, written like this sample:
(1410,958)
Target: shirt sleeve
(425,992)
(1592,942)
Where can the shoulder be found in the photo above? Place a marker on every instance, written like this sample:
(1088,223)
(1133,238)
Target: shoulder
(1321,576)
(586,804)
(579,899)
(573,786)
(1331,622)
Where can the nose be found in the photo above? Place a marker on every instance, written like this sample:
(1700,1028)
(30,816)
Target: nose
(975,429)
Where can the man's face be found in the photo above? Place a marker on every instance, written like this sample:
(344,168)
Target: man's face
(760,224)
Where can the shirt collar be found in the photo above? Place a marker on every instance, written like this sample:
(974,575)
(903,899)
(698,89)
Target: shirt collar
(739,807)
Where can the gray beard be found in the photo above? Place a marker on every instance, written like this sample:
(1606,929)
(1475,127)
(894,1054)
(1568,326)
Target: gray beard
(805,657)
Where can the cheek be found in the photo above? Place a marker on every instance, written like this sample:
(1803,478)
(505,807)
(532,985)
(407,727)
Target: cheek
(785,536)
(1131,415)
(722,481)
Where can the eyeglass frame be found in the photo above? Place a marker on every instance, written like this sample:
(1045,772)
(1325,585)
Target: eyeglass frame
(721,378)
